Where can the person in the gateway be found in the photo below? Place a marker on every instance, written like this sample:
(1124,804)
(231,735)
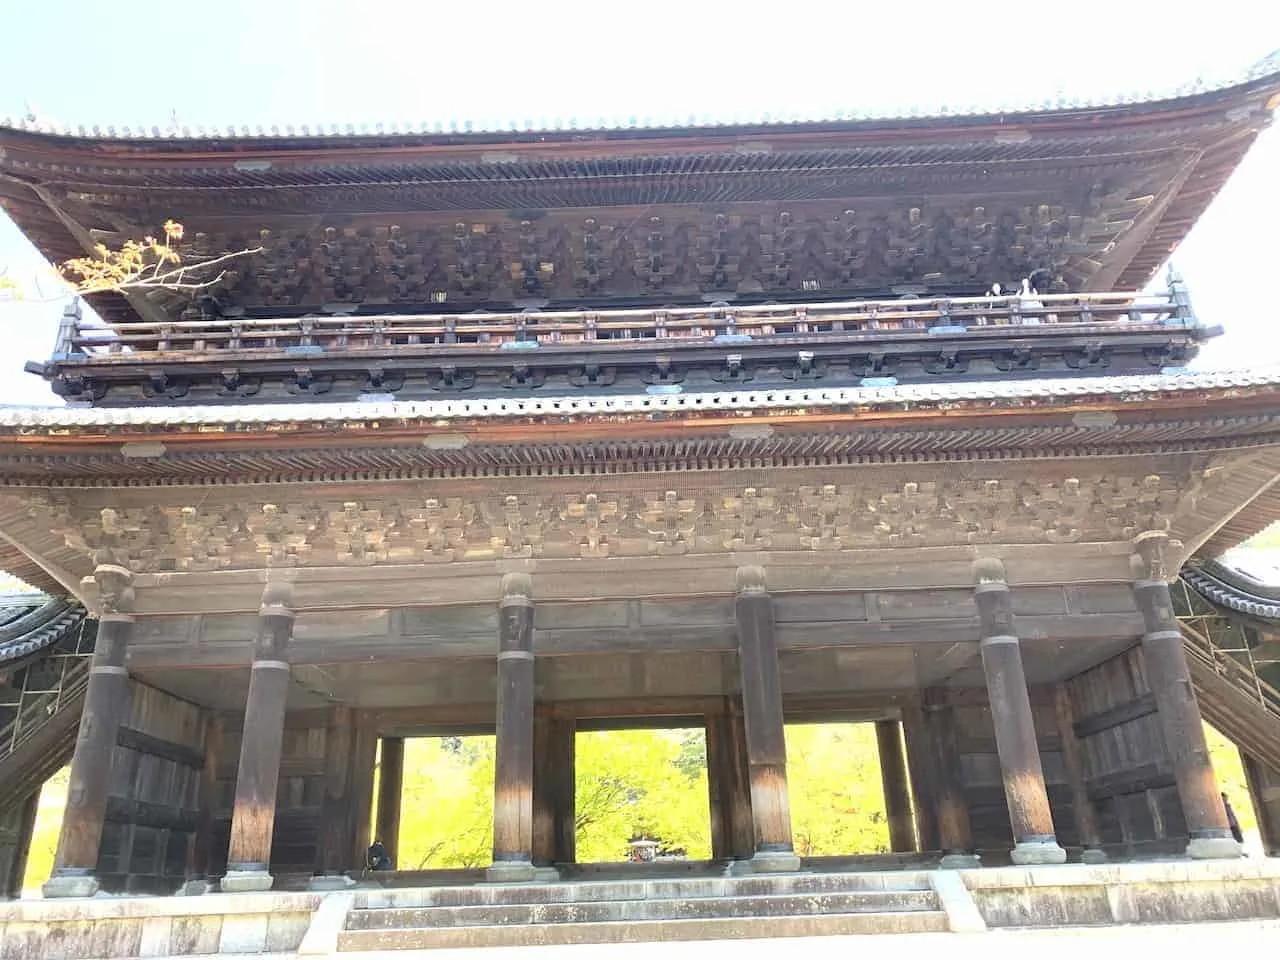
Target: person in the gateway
(377,858)
(1232,822)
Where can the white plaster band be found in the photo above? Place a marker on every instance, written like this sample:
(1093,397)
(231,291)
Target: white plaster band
(117,618)
(270,665)
(999,638)
(116,671)
(1163,635)
(515,655)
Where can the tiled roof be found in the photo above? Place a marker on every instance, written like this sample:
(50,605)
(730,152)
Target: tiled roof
(1267,67)
(1229,588)
(30,623)
(19,417)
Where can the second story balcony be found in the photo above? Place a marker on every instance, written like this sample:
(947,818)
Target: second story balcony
(346,355)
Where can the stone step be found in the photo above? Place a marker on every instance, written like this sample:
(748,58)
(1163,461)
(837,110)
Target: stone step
(667,889)
(606,911)
(644,931)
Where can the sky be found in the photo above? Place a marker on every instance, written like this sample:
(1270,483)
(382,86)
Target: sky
(265,62)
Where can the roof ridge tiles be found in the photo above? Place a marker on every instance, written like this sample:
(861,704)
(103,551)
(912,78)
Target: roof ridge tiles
(1265,68)
(18,417)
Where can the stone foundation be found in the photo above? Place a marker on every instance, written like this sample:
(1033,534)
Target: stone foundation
(1163,892)
(968,901)
(113,927)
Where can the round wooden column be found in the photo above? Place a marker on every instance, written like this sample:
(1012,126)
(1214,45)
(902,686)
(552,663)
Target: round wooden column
(951,810)
(897,795)
(258,776)
(513,765)
(390,789)
(1035,840)
(1170,680)
(106,704)
(762,715)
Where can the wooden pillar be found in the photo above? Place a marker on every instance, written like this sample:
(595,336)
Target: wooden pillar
(1264,793)
(1073,763)
(200,855)
(17,824)
(1170,680)
(955,834)
(921,767)
(390,791)
(106,704)
(1034,838)
(513,766)
(897,795)
(554,835)
(733,831)
(258,775)
(333,845)
(762,714)
(363,763)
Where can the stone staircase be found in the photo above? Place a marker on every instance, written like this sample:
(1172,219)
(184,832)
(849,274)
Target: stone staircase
(632,911)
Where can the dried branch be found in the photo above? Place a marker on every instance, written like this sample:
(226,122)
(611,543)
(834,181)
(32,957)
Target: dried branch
(139,265)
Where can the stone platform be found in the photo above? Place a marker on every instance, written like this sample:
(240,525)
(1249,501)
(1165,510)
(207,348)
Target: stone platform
(804,904)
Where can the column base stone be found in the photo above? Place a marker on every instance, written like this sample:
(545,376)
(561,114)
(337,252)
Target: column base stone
(1093,856)
(1037,853)
(246,881)
(765,861)
(1214,848)
(197,887)
(330,882)
(63,887)
(960,861)
(511,871)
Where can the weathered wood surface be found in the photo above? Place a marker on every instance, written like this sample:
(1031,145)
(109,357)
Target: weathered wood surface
(762,714)
(1264,791)
(1170,681)
(1126,766)
(897,793)
(106,706)
(1011,717)
(258,772)
(333,843)
(554,830)
(955,834)
(17,823)
(918,734)
(513,764)
(390,795)
(1086,817)
(733,831)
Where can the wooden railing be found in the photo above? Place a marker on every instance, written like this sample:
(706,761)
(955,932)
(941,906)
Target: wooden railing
(1236,666)
(723,323)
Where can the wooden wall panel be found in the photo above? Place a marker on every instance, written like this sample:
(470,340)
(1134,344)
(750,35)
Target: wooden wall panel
(1126,767)
(984,785)
(154,794)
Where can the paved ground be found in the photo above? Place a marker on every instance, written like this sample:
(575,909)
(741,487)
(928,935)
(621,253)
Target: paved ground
(1069,944)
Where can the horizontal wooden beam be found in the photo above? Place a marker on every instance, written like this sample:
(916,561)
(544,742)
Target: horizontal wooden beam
(1116,716)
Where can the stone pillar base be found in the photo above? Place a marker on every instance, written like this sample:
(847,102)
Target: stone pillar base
(70,885)
(194,888)
(512,871)
(765,861)
(1214,848)
(1037,852)
(246,881)
(1093,856)
(330,882)
(960,861)
(546,874)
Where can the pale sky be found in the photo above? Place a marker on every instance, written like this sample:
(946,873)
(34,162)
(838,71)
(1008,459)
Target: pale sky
(251,62)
